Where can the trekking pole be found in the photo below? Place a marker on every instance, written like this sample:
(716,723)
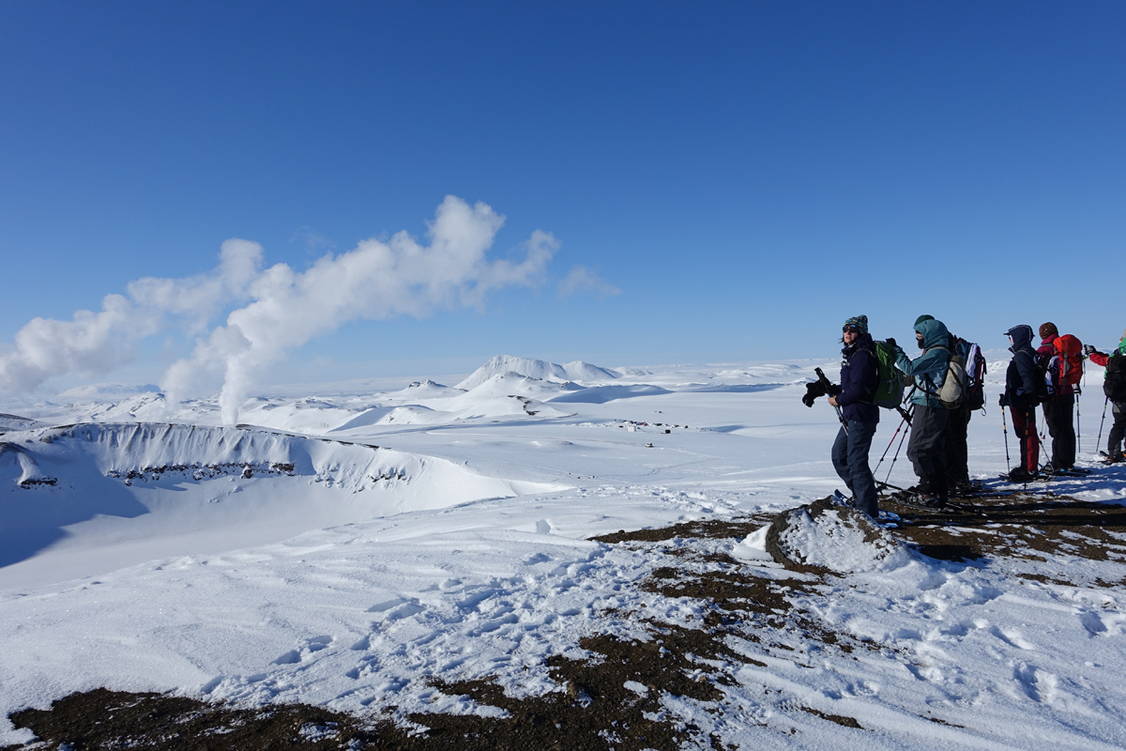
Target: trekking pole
(1099,440)
(897,448)
(893,436)
(827,384)
(1005,430)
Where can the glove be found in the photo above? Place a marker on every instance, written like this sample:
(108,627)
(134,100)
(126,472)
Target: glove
(1003,401)
(891,343)
(812,391)
(1089,349)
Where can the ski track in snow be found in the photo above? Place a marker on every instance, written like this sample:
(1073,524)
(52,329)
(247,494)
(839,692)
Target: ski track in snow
(361,614)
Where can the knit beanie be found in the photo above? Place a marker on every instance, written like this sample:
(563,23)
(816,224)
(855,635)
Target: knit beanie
(860,322)
(1122,345)
(1048,329)
(923,317)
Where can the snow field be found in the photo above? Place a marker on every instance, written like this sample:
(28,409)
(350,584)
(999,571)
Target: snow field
(480,565)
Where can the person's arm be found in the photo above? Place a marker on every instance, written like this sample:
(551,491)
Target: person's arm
(1029,373)
(1099,358)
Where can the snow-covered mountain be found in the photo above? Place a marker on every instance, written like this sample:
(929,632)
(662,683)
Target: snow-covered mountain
(15,422)
(541,369)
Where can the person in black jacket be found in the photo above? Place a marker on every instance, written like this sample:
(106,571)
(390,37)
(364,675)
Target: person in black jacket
(859,414)
(1022,394)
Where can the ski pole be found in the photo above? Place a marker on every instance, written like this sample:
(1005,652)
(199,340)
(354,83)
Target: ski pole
(893,437)
(1005,430)
(1099,440)
(897,448)
(827,384)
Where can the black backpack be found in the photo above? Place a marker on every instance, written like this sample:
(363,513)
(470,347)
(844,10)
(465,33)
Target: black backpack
(1114,381)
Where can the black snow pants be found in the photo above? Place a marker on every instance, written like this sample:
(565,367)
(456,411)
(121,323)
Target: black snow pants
(1061,425)
(927,448)
(1117,430)
(957,460)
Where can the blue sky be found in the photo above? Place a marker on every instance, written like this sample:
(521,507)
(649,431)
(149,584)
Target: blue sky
(746,174)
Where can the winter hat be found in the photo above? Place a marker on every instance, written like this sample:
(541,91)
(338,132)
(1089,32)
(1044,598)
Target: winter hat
(1122,344)
(1048,329)
(923,317)
(860,322)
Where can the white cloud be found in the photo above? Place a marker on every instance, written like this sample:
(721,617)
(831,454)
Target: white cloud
(581,280)
(95,342)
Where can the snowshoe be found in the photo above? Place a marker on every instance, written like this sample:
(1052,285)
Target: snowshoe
(840,499)
(922,501)
(1022,476)
(1118,458)
(1070,472)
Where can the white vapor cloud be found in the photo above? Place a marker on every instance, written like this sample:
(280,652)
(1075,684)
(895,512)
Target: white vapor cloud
(94,342)
(580,279)
(375,280)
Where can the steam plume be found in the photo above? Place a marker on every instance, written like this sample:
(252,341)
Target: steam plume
(375,280)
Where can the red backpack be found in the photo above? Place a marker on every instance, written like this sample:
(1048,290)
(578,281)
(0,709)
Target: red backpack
(1068,361)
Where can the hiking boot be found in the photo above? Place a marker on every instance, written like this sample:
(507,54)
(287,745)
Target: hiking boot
(1020,474)
(1115,458)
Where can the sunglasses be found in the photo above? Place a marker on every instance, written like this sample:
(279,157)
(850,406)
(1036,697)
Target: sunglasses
(853,329)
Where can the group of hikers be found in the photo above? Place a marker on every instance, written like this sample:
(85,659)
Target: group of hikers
(946,382)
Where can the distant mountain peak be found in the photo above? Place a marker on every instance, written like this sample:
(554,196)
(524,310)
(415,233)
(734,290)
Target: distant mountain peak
(508,365)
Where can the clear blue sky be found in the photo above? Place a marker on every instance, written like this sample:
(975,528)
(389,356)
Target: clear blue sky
(747,174)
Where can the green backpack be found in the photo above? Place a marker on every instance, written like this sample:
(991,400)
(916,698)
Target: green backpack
(889,386)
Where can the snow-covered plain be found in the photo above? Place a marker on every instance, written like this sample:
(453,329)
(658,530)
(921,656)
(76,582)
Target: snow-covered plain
(342,548)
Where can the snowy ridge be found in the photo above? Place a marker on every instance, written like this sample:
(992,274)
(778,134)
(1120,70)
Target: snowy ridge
(108,495)
(15,422)
(540,369)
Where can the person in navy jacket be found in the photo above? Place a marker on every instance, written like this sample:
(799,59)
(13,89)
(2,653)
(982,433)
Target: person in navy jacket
(1023,383)
(859,414)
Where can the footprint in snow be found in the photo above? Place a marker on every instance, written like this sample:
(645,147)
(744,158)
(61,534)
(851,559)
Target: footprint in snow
(1038,685)
(309,647)
(1012,637)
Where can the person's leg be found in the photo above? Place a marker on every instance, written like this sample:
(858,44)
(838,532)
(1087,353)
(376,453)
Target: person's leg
(918,433)
(863,483)
(839,456)
(1033,441)
(933,451)
(957,467)
(1117,430)
(1063,444)
(1024,425)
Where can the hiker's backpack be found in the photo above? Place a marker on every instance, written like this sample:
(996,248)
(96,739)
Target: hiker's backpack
(1069,360)
(974,363)
(1064,367)
(889,386)
(953,390)
(1114,381)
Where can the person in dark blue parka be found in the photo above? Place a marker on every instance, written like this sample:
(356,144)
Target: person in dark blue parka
(859,414)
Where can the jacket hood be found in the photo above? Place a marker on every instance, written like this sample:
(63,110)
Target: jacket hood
(1022,336)
(934,333)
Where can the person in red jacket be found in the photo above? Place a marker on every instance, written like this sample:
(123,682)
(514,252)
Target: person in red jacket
(1114,385)
(1058,407)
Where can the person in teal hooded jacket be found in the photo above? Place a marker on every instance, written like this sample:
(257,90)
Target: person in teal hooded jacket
(927,447)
